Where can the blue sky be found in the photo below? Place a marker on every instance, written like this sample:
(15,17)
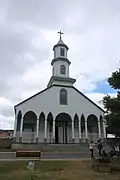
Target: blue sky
(103,87)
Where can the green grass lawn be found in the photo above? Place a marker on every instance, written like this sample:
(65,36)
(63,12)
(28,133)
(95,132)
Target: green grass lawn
(54,170)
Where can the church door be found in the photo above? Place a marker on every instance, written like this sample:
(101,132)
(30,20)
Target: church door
(61,133)
(63,122)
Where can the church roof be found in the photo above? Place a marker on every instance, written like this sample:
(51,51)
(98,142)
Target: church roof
(60,43)
(60,86)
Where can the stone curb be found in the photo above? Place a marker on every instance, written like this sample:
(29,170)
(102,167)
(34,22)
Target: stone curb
(83,152)
(69,159)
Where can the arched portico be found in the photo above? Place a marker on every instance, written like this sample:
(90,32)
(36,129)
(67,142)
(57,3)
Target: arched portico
(19,116)
(29,127)
(50,127)
(76,129)
(101,124)
(92,127)
(83,134)
(41,129)
(17,127)
(63,128)
(102,127)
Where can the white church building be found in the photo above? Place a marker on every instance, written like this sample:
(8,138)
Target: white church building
(60,113)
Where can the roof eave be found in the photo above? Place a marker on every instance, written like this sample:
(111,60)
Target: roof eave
(62,45)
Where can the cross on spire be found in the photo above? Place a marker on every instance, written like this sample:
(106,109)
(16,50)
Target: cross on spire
(60,34)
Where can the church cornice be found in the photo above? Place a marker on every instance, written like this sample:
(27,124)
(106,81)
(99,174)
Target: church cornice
(64,87)
(60,45)
(63,79)
(60,59)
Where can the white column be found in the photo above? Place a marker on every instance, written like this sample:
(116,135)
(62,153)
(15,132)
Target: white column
(21,128)
(86,131)
(73,136)
(104,129)
(79,129)
(15,128)
(37,130)
(45,137)
(53,131)
(99,129)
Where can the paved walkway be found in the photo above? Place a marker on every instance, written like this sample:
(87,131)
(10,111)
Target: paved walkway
(47,156)
(7,155)
(64,155)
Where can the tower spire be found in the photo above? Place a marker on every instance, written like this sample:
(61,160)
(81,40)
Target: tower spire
(60,33)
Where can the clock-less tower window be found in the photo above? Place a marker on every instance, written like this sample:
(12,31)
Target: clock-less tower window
(62,52)
(62,69)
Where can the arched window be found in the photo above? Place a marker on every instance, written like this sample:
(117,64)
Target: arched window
(62,52)
(63,97)
(62,69)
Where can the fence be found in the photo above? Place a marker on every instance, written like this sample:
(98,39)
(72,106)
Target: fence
(5,143)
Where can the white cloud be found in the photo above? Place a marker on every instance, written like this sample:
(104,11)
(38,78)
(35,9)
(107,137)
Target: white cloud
(28,33)
(98,97)
(6,122)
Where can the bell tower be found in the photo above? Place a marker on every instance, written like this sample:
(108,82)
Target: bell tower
(60,63)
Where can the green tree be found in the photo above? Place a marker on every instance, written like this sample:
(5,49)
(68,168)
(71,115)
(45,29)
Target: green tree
(112,105)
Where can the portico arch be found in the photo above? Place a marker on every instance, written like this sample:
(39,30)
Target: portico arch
(50,127)
(29,127)
(101,125)
(17,126)
(41,126)
(63,128)
(76,128)
(92,127)
(19,116)
(83,127)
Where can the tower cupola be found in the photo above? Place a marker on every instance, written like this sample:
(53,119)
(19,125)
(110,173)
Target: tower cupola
(60,63)
(60,49)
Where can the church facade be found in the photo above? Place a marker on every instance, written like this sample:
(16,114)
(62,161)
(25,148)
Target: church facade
(60,113)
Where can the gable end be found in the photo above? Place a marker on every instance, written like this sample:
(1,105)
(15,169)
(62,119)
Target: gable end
(61,86)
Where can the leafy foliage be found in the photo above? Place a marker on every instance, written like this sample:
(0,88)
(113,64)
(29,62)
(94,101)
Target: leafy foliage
(112,105)
(114,80)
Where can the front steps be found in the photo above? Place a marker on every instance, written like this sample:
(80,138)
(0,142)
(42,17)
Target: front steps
(82,147)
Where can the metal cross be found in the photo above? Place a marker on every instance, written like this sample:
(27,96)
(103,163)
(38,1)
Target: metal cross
(60,33)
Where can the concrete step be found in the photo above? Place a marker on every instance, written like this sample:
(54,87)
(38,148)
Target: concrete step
(53,147)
